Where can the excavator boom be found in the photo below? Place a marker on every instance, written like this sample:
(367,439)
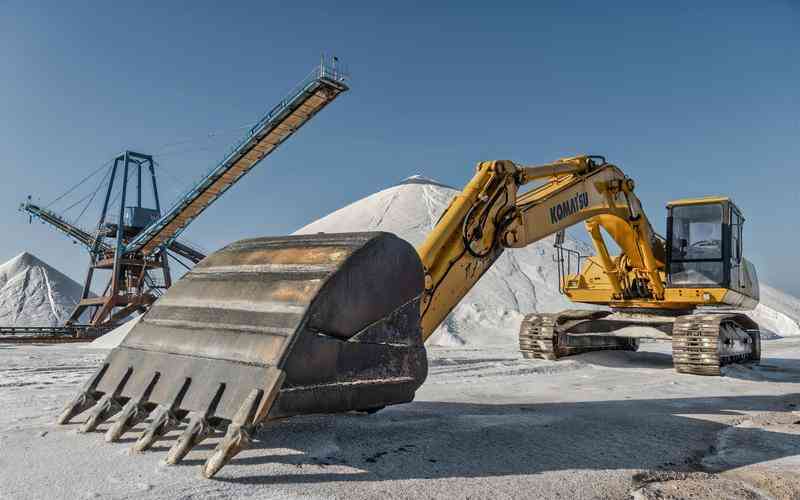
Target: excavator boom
(490,215)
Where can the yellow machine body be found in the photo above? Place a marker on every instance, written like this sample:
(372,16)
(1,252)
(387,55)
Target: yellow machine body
(723,277)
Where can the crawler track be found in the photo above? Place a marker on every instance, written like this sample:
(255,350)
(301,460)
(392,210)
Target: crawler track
(537,336)
(701,344)
(543,336)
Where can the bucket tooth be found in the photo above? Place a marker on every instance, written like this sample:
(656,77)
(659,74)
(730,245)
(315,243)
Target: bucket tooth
(236,439)
(238,435)
(197,430)
(134,411)
(106,408)
(163,420)
(84,400)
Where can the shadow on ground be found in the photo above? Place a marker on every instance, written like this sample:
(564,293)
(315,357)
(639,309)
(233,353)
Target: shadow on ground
(435,439)
(769,369)
(451,440)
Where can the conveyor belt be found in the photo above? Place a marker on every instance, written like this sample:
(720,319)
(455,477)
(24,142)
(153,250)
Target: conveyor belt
(313,94)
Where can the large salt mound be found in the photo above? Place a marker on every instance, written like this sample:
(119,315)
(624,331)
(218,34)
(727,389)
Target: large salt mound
(521,281)
(34,294)
(778,312)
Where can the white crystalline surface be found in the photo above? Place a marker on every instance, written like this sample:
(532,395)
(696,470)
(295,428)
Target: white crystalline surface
(32,293)
(521,281)
(115,337)
(777,313)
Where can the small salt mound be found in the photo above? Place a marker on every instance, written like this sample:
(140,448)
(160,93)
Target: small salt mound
(115,337)
(33,293)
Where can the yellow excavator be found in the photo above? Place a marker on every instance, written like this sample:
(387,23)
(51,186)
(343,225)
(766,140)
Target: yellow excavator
(268,328)
(688,289)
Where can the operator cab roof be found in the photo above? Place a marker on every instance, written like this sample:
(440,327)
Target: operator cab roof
(703,200)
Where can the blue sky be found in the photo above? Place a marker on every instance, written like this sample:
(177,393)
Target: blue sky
(689,100)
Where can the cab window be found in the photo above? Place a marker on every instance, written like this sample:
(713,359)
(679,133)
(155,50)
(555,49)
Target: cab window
(697,232)
(696,248)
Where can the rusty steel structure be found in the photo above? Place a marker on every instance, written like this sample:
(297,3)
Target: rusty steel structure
(133,283)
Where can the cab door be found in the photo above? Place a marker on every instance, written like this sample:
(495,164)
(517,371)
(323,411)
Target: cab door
(737,274)
(698,246)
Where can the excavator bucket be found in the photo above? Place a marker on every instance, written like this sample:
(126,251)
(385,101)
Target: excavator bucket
(266,328)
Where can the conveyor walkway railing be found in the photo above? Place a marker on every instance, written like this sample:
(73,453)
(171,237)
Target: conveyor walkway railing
(315,92)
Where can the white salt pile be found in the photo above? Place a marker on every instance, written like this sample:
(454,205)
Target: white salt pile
(32,293)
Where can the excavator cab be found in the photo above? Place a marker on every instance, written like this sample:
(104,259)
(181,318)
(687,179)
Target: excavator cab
(704,247)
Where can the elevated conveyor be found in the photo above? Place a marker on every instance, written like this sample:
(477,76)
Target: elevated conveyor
(138,248)
(314,93)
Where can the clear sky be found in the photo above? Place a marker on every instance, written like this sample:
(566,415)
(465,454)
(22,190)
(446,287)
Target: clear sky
(689,100)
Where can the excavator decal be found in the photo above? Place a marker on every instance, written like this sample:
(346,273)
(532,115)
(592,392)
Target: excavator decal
(569,207)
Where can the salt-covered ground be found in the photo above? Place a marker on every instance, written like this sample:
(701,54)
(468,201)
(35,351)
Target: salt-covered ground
(485,424)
